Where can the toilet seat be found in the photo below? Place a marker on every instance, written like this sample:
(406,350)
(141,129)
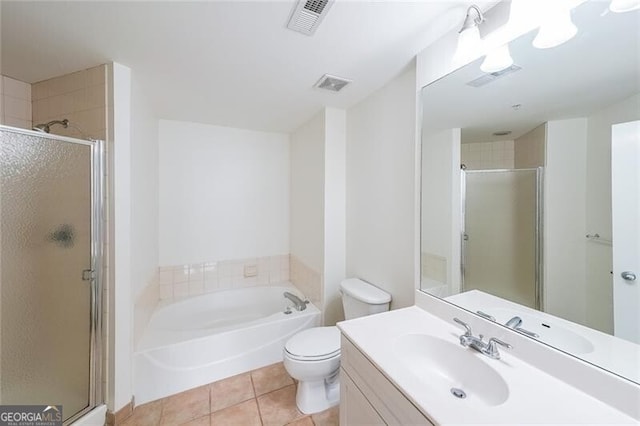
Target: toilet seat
(314,344)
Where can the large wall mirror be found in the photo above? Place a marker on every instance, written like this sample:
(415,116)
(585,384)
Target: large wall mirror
(530,193)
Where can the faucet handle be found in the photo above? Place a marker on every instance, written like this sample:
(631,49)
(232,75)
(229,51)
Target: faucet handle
(465,325)
(491,344)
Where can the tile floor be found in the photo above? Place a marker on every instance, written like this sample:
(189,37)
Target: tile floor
(263,397)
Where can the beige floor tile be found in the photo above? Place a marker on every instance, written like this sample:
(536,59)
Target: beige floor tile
(279,407)
(304,421)
(200,421)
(243,414)
(145,415)
(270,378)
(185,406)
(330,417)
(231,391)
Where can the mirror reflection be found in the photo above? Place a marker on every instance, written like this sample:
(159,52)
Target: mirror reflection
(530,190)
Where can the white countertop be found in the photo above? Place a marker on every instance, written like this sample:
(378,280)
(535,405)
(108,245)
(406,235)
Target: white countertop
(535,397)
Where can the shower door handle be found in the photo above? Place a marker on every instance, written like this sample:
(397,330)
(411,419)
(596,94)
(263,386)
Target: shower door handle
(628,276)
(88,275)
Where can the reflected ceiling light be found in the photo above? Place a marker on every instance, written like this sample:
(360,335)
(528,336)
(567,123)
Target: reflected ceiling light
(620,6)
(556,27)
(469,42)
(497,60)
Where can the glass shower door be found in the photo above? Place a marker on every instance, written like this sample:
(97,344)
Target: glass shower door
(47,254)
(501,234)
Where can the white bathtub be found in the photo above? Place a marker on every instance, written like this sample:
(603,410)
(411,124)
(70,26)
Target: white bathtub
(201,339)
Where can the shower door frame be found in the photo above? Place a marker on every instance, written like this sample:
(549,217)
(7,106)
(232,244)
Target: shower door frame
(539,230)
(96,393)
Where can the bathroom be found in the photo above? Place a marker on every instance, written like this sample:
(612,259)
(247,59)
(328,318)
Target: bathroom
(223,180)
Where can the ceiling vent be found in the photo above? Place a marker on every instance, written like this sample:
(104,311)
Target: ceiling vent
(493,76)
(307,15)
(331,83)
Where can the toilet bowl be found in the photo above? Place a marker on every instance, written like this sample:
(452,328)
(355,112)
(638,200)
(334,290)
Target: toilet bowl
(312,356)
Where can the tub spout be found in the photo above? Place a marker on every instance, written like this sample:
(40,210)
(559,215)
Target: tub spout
(299,303)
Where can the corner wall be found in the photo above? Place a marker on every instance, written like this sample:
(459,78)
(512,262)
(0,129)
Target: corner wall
(380,161)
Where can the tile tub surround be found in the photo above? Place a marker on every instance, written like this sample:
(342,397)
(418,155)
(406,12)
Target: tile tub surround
(15,103)
(265,396)
(180,281)
(307,280)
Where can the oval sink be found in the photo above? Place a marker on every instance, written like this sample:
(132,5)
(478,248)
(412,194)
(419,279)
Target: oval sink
(443,366)
(550,332)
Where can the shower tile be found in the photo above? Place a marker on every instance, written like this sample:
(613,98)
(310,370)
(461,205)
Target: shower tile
(231,391)
(166,291)
(181,274)
(279,407)
(196,272)
(185,406)
(196,288)
(245,414)
(270,378)
(165,276)
(330,417)
(180,290)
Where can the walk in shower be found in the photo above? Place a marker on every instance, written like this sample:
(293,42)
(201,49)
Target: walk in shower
(50,264)
(502,231)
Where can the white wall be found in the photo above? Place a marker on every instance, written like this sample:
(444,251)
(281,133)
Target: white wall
(380,188)
(120,325)
(441,202)
(334,213)
(144,190)
(224,193)
(564,219)
(307,192)
(598,208)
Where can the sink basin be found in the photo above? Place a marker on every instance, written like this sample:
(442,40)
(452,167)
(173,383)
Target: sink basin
(448,367)
(550,332)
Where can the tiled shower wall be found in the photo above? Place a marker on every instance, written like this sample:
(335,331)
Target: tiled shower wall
(15,103)
(198,278)
(488,155)
(308,281)
(79,97)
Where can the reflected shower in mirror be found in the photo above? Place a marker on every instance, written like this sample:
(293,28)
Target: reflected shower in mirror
(530,190)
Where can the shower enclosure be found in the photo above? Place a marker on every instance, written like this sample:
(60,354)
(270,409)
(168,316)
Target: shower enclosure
(502,231)
(50,264)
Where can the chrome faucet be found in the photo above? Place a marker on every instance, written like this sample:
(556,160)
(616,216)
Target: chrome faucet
(490,348)
(299,303)
(515,323)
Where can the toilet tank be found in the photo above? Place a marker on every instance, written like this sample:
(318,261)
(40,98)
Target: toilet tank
(360,298)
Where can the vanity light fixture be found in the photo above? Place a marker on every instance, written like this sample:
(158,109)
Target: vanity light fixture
(556,27)
(497,60)
(621,6)
(469,41)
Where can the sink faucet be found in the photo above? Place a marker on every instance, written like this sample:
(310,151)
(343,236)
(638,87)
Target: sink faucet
(515,324)
(490,348)
(299,303)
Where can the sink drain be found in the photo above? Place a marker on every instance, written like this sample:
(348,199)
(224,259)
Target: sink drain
(458,393)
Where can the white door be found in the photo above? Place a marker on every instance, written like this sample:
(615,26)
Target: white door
(625,194)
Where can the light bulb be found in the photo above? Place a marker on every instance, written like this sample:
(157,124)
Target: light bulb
(497,60)
(556,28)
(620,6)
(469,45)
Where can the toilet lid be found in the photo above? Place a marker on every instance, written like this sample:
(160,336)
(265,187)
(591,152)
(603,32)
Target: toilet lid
(315,343)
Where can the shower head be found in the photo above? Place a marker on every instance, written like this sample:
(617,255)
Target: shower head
(46,127)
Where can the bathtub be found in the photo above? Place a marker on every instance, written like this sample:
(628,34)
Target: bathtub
(201,339)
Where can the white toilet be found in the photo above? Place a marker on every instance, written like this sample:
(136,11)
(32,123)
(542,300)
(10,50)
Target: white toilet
(313,355)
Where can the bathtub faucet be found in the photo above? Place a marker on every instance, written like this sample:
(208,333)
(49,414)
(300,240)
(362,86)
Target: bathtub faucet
(300,304)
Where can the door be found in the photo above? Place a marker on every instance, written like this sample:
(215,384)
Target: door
(625,182)
(48,247)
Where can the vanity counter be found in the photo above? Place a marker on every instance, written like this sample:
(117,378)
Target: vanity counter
(533,395)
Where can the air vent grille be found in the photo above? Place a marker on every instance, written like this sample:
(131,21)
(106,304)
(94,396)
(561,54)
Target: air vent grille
(307,15)
(331,83)
(491,77)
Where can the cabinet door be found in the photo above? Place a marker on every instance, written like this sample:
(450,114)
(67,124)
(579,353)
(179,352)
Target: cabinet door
(354,407)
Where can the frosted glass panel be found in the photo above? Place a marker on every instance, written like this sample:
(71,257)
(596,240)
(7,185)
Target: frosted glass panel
(500,228)
(45,236)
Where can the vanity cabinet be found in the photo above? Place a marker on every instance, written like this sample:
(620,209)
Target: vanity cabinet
(367,397)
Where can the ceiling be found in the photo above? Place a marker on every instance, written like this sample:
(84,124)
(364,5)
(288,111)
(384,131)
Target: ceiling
(229,63)
(598,67)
